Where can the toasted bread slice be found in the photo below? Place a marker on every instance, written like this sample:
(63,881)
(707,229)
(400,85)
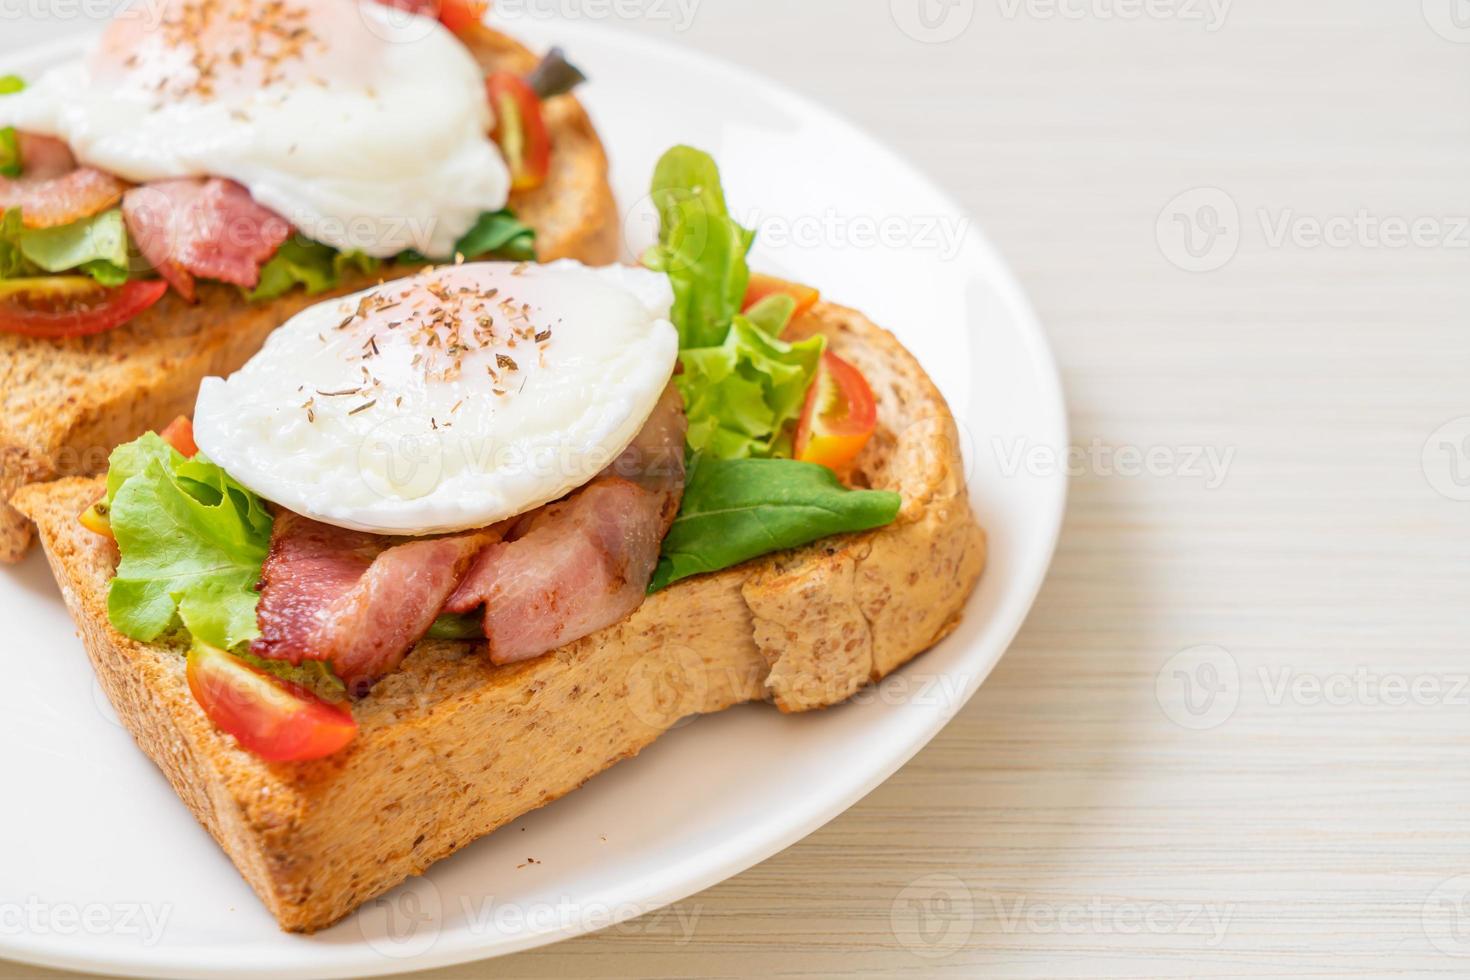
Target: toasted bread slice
(64,404)
(451,747)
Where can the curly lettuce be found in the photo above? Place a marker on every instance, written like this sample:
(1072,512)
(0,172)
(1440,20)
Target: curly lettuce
(701,248)
(192,542)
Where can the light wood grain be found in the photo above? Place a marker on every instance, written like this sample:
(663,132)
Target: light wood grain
(1317,832)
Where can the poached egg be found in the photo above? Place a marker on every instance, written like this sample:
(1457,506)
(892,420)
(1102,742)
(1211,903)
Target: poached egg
(364,126)
(450,400)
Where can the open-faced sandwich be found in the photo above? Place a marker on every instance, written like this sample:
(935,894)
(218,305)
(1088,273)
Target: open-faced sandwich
(448,547)
(213,166)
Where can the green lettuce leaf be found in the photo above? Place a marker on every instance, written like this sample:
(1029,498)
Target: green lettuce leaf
(312,265)
(701,248)
(740,395)
(97,245)
(739,509)
(192,542)
(13,263)
(10,162)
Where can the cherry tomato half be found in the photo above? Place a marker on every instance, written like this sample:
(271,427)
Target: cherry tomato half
(72,306)
(520,130)
(839,416)
(180,434)
(762,286)
(271,719)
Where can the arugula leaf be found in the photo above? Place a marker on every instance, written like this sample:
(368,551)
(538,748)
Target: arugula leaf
(450,626)
(97,245)
(739,509)
(740,396)
(701,248)
(192,542)
(302,262)
(499,233)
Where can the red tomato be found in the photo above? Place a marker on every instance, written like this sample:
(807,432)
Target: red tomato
(762,286)
(520,130)
(839,416)
(276,721)
(72,306)
(180,434)
(462,16)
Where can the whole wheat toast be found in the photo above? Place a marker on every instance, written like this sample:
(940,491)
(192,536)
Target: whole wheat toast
(451,747)
(64,404)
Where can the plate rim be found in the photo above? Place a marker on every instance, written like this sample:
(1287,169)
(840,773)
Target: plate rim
(361,959)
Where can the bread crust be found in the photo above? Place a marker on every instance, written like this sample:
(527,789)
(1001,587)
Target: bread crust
(451,747)
(67,403)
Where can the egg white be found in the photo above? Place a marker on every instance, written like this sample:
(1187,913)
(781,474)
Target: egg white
(447,441)
(374,139)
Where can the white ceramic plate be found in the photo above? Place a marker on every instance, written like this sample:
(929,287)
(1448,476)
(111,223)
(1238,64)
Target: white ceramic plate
(103,869)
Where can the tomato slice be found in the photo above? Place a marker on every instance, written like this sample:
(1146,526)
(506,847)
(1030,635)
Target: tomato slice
(762,286)
(463,16)
(180,434)
(839,416)
(271,719)
(520,130)
(72,306)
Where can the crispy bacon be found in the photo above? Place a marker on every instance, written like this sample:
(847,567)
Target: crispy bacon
(584,563)
(203,227)
(359,601)
(51,190)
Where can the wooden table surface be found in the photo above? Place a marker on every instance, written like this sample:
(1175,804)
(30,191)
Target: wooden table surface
(1230,738)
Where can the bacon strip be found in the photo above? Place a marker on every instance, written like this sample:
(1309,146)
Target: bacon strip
(52,190)
(358,601)
(203,227)
(584,563)
(361,601)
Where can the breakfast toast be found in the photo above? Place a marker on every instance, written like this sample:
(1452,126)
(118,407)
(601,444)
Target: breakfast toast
(452,747)
(68,402)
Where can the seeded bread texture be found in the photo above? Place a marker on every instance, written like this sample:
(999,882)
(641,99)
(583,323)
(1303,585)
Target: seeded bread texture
(67,403)
(451,747)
